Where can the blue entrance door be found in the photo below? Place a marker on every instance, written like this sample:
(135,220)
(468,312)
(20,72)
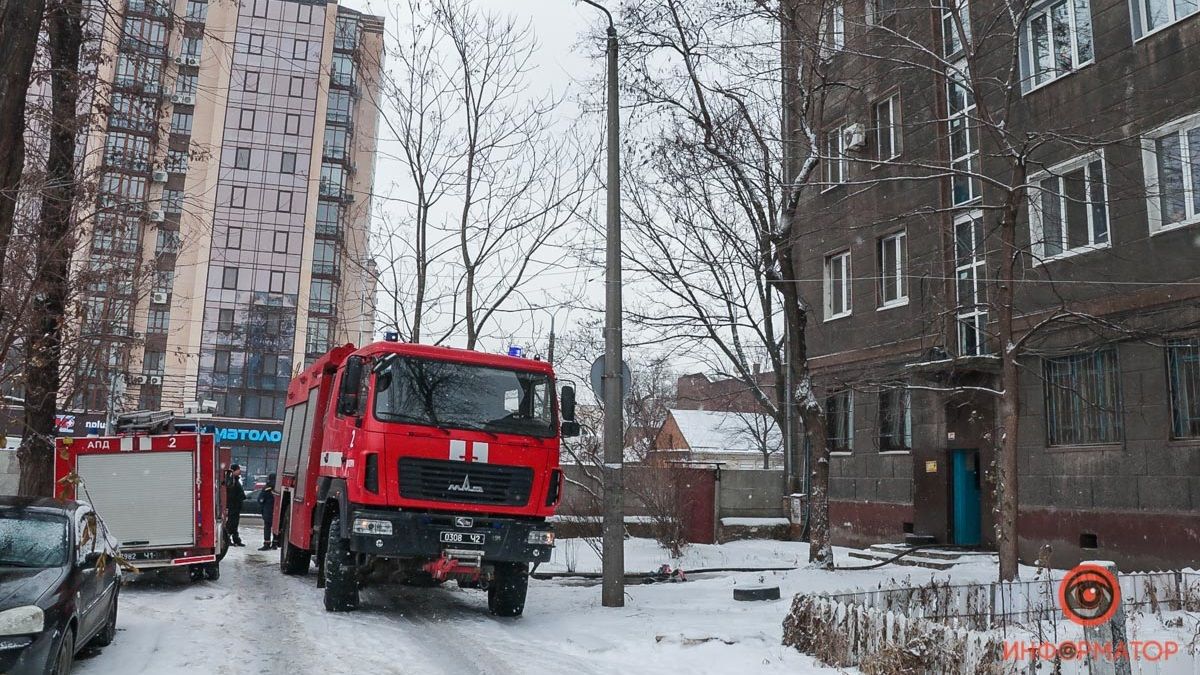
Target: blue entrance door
(965,491)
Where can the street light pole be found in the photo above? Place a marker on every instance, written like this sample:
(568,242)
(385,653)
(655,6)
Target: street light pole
(613,591)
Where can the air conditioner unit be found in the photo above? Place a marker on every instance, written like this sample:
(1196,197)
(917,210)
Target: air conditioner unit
(158,298)
(193,60)
(183,99)
(157,216)
(160,176)
(155,379)
(854,137)
(137,379)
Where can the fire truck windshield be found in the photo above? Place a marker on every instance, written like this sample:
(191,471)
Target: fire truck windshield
(456,395)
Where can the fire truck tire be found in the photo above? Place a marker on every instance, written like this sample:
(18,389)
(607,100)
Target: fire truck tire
(195,572)
(341,577)
(212,571)
(506,594)
(293,560)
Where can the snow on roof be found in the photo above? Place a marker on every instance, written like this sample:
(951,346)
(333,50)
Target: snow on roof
(727,431)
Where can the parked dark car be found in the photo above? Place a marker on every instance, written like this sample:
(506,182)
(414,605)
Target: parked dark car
(252,486)
(58,584)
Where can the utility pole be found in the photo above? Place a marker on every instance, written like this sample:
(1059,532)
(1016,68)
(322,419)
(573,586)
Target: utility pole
(613,591)
(550,355)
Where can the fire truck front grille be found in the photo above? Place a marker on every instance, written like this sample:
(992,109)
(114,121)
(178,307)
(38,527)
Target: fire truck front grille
(468,482)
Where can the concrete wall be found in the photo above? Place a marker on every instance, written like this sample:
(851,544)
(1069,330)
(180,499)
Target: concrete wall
(743,493)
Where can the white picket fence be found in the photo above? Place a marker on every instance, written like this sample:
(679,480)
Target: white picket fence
(944,628)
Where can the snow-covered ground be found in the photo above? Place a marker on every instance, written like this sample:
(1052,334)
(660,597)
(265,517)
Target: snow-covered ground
(255,620)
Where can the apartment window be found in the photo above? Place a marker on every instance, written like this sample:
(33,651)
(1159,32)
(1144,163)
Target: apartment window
(173,201)
(281,242)
(956,24)
(893,289)
(197,10)
(300,50)
(259,10)
(252,81)
(1056,39)
(254,44)
(1171,161)
(166,241)
(321,296)
(133,112)
(1183,373)
(339,107)
(1083,399)
(291,125)
(225,319)
(345,34)
(277,279)
(1151,15)
(241,159)
(887,128)
(837,285)
(221,361)
(971,312)
(146,35)
(296,87)
(187,84)
(304,13)
(287,162)
(283,201)
(319,334)
(342,70)
(333,181)
(882,13)
(127,151)
(336,141)
(895,419)
(181,122)
(164,281)
(233,238)
(1069,212)
(177,161)
(137,71)
(237,197)
(964,148)
(158,321)
(835,158)
(324,257)
(229,278)
(192,46)
(327,218)
(246,119)
(839,422)
(833,30)
(154,362)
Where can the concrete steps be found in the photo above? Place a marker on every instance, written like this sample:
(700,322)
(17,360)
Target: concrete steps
(930,558)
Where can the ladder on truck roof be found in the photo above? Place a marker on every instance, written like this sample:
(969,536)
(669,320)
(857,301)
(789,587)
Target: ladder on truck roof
(151,422)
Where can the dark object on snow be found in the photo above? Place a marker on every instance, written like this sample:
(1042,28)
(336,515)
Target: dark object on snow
(59,588)
(753,593)
(234,496)
(266,506)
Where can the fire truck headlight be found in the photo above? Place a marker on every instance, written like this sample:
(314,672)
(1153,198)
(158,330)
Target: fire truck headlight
(22,620)
(539,538)
(370,526)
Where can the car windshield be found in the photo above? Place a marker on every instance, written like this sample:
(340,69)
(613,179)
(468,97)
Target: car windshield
(32,540)
(446,394)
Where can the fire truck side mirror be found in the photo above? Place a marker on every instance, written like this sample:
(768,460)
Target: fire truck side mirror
(567,400)
(351,384)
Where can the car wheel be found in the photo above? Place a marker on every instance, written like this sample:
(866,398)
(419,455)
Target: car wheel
(109,633)
(65,657)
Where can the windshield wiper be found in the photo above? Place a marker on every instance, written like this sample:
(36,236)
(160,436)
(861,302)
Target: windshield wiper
(476,427)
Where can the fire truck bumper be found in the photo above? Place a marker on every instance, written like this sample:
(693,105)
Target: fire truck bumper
(427,535)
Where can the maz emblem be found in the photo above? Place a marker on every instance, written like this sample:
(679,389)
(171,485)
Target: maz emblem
(465,486)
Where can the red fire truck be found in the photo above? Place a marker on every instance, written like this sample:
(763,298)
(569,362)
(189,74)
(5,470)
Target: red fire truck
(420,464)
(159,492)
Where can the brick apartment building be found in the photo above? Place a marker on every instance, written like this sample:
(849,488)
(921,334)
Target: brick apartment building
(901,257)
(235,157)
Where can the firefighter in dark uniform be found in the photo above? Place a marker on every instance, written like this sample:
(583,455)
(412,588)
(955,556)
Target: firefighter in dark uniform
(266,506)
(234,496)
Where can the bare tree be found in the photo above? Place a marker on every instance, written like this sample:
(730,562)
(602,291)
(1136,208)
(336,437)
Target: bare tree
(496,178)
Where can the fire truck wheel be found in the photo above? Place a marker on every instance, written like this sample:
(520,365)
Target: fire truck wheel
(212,571)
(341,577)
(293,560)
(506,594)
(196,572)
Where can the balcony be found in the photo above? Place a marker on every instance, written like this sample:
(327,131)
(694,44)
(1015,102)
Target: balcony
(155,8)
(321,307)
(325,268)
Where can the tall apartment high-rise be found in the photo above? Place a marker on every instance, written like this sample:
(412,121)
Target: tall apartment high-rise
(239,155)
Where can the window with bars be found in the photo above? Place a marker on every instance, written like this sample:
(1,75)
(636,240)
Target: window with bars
(1083,399)
(893,289)
(1056,39)
(839,421)
(837,285)
(1183,375)
(1171,162)
(970,277)
(1069,212)
(895,419)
